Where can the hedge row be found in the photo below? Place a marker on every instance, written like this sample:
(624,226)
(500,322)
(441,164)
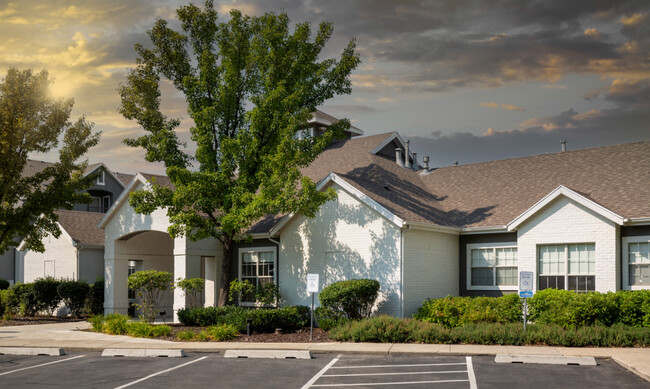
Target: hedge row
(46,294)
(116,324)
(551,306)
(289,318)
(386,329)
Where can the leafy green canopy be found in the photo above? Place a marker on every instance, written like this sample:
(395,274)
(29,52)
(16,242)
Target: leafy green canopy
(250,84)
(31,122)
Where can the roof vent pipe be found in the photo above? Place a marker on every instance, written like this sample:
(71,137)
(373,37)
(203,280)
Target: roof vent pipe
(425,160)
(398,157)
(563,143)
(407,162)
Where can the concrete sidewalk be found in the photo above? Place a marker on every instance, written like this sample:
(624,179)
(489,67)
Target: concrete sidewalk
(68,337)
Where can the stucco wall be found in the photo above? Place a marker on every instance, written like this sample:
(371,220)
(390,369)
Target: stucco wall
(430,267)
(345,240)
(564,221)
(60,251)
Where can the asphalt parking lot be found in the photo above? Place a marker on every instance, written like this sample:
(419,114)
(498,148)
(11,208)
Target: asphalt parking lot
(91,370)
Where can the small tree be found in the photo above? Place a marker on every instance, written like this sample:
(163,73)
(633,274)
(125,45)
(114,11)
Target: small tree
(96,297)
(150,285)
(352,298)
(74,295)
(45,291)
(192,288)
(266,295)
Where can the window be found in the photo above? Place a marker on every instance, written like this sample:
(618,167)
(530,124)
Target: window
(106,203)
(636,262)
(48,268)
(257,266)
(567,266)
(101,179)
(134,266)
(492,266)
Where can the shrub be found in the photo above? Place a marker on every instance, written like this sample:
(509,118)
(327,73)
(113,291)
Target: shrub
(185,335)
(116,324)
(192,288)
(266,295)
(73,294)
(97,322)
(327,318)
(45,292)
(95,302)
(219,333)
(150,285)
(9,303)
(354,298)
(26,298)
(289,318)
(4,284)
(453,311)
(141,329)
(389,330)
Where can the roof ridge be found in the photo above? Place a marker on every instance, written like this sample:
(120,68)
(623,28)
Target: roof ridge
(546,154)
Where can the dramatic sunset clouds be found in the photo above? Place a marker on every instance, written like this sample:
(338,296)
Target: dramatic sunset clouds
(465,80)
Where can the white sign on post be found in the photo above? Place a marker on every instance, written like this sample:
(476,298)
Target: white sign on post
(525,284)
(312,283)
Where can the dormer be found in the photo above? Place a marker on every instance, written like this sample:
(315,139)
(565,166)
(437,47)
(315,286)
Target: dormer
(398,150)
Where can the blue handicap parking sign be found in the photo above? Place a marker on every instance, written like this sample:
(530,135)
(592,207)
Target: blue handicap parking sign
(525,293)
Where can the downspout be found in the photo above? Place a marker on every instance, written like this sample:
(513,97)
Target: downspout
(401,271)
(77,249)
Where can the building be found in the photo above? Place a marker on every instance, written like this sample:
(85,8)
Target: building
(578,220)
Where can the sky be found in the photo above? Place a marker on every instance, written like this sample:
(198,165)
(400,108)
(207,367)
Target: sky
(464,80)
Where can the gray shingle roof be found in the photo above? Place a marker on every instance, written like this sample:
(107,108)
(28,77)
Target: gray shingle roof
(82,226)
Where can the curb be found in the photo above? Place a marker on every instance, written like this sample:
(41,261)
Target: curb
(631,368)
(32,351)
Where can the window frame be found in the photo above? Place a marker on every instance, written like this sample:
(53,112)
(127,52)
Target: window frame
(625,265)
(493,246)
(101,179)
(566,274)
(259,249)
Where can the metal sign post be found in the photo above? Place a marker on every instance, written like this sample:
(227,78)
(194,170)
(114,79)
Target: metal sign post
(525,291)
(312,287)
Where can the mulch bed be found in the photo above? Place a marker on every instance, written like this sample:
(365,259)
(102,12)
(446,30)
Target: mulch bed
(300,336)
(24,320)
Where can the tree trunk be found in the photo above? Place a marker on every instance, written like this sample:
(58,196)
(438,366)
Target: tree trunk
(226,270)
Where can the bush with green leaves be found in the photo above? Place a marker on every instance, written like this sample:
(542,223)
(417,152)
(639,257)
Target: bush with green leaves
(219,333)
(570,309)
(4,284)
(45,291)
(193,287)
(9,303)
(97,322)
(95,301)
(289,318)
(74,294)
(388,329)
(150,286)
(29,305)
(454,311)
(115,324)
(353,298)
(327,319)
(141,329)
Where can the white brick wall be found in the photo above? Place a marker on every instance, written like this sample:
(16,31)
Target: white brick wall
(430,267)
(60,251)
(346,240)
(565,221)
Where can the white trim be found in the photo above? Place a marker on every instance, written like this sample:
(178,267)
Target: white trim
(483,230)
(386,141)
(434,227)
(566,273)
(101,180)
(578,198)
(333,177)
(638,221)
(101,164)
(624,261)
(257,249)
(468,265)
(122,199)
(326,122)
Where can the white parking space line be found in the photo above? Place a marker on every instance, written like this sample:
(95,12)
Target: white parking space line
(322,371)
(402,373)
(393,383)
(412,365)
(159,373)
(470,373)
(42,364)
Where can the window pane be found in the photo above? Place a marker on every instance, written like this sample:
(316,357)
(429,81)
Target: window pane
(582,283)
(266,256)
(482,257)
(639,252)
(640,274)
(506,276)
(582,258)
(551,259)
(482,276)
(556,282)
(506,256)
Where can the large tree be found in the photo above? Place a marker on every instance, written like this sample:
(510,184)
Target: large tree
(250,84)
(31,121)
